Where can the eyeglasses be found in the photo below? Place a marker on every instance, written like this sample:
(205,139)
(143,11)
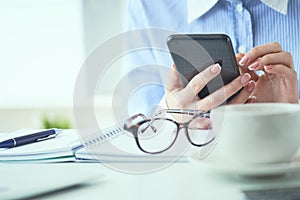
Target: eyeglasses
(157,134)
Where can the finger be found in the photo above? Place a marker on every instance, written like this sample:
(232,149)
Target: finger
(244,70)
(198,82)
(220,96)
(244,95)
(288,82)
(281,70)
(252,99)
(259,51)
(239,56)
(284,58)
(173,81)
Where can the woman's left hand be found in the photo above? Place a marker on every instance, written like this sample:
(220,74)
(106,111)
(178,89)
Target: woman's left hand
(279,82)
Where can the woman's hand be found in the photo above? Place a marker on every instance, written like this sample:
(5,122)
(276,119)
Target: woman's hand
(279,82)
(186,97)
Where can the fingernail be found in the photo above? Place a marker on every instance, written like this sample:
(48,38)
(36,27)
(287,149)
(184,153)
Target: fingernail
(251,86)
(215,68)
(244,60)
(245,78)
(268,67)
(252,99)
(253,66)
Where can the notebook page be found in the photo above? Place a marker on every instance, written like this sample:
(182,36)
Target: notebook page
(123,148)
(59,146)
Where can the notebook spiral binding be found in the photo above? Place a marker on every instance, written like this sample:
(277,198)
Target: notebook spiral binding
(106,135)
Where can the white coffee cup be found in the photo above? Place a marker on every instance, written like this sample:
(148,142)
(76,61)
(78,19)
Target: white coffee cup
(257,133)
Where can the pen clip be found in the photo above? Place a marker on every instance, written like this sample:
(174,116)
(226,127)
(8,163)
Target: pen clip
(46,138)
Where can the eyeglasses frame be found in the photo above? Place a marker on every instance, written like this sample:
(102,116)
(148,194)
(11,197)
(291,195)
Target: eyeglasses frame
(133,129)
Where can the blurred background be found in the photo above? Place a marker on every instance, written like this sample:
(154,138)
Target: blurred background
(43,44)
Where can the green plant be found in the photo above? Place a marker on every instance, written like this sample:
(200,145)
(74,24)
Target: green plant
(55,122)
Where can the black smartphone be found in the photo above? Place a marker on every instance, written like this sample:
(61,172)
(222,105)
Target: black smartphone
(192,53)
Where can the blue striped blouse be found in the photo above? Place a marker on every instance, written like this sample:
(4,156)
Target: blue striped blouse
(253,24)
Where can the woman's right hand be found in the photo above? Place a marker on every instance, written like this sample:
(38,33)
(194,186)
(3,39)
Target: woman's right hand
(179,97)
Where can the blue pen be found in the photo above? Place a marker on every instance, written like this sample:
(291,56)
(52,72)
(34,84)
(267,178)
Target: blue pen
(31,138)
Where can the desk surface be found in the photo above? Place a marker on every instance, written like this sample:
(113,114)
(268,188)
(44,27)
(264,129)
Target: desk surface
(178,181)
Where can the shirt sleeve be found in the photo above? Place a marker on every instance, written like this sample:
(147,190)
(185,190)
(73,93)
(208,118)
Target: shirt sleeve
(140,65)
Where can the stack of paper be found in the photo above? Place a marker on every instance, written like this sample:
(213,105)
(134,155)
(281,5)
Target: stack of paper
(68,146)
(59,149)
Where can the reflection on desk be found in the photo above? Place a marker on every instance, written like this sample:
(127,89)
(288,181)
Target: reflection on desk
(29,180)
(178,181)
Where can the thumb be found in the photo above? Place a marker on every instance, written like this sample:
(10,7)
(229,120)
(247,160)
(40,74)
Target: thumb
(173,80)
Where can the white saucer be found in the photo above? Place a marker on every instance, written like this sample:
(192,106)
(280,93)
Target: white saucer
(217,162)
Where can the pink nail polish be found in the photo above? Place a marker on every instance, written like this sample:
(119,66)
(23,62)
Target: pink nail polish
(268,67)
(244,60)
(253,66)
(245,78)
(250,86)
(252,99)
(215,68)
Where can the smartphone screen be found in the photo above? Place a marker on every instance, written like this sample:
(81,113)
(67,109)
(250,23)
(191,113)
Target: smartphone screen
(192,53)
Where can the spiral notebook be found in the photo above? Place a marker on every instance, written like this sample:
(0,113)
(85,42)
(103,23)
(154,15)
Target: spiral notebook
(115,145)
(103,136)
(111,144)
(59,149)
